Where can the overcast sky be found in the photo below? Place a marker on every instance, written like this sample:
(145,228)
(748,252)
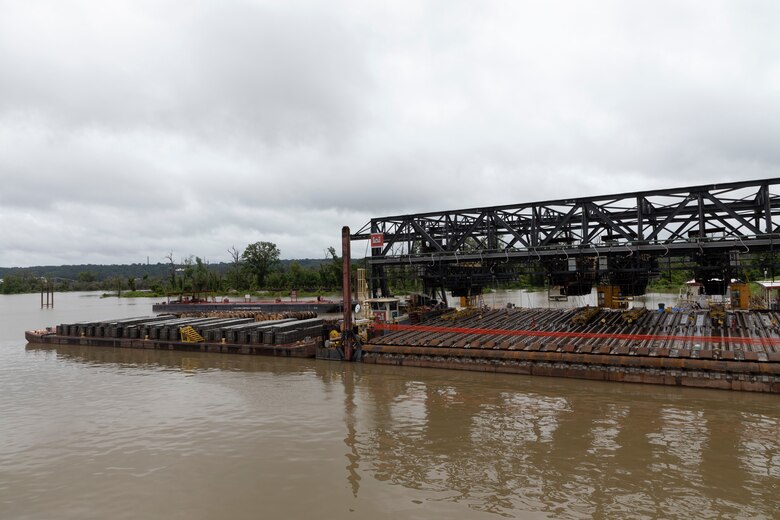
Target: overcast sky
(130,129)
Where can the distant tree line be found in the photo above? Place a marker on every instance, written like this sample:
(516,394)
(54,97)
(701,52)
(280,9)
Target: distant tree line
(257,267)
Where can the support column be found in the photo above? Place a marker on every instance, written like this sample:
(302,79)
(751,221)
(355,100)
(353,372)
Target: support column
(346,329)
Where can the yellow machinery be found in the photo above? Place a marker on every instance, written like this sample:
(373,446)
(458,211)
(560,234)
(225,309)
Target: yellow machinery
(362,292)
(740,295)
(334,338)
(718,313)
(476,300)
(363,326)
(360,328)
(609,297)
(468,301)
(190,335)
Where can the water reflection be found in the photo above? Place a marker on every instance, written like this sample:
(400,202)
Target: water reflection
(495,444)
(350,421)
(166,359)
(585,452)
(760,445)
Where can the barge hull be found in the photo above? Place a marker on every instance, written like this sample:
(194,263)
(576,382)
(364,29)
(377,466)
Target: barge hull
(268,307)
(696,373)
(302,349)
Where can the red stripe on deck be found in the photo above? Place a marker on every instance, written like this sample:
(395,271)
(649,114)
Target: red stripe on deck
(579,335)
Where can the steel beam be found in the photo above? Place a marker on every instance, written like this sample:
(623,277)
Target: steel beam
(663,216)
(696,221)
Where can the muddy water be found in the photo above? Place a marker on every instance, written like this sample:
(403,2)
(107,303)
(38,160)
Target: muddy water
(90,432)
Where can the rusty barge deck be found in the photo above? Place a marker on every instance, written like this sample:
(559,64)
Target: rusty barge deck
(735,350)
(282,337)
(695,348)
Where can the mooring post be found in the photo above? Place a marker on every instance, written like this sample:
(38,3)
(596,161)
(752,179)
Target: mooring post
(49,289)
(346,328)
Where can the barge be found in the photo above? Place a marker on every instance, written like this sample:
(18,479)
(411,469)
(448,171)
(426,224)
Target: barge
(734,350)
(288,337)
(266,306)
(737,350)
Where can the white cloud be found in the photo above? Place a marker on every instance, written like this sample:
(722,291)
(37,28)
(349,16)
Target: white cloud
(133,128)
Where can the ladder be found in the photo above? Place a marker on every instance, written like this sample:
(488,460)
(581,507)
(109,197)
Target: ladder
(362,292)
(190,335)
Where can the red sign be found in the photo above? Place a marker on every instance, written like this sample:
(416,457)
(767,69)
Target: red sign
(377,239)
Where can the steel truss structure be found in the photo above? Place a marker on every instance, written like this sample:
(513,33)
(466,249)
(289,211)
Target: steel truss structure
(583,240)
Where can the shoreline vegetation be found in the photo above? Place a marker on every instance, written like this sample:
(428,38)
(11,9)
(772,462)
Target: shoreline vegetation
(258,271)
(255,269)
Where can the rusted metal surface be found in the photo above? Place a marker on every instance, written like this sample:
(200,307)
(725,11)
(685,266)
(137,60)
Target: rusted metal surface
(739,350)
(286,337)
(532,354)
(646,333)
(304,348)
(346,332)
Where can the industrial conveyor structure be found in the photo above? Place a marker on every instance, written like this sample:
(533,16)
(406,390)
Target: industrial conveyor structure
(618,240)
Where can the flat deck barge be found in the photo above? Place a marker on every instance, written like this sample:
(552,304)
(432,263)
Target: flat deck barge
(283,337)
(736,350)
(267,306)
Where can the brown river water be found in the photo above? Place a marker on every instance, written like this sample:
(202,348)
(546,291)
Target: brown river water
(90,432)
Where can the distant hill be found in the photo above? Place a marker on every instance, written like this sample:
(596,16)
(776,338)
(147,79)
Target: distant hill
(124,271)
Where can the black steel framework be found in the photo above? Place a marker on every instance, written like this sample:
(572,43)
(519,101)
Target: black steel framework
(579,241)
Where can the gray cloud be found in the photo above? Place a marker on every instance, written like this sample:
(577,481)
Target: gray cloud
(133,128)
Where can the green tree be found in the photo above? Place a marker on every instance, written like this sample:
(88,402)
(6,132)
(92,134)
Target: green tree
(114,283)
(277,280)
(331,271)
(295,275)
(310,279)
(15,284)
(214,282)
(188,272)
(200,276)
(87,277)
(259,259)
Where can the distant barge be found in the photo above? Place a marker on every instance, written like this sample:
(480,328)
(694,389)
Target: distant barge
(268,306)
(697,348)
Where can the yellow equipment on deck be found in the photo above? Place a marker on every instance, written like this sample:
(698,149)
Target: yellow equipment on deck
(190,335)
(740,296)
(610,297)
